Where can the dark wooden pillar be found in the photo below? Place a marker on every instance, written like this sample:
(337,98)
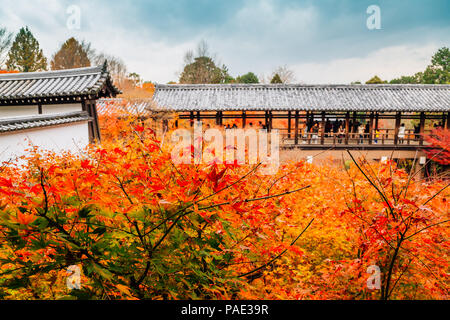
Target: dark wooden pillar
(39,108)
(347,126)
(376,121)
(354,128)
(307,122)
(270,121)
(322,133)
(421,127)
(444,118)
(296,127)
(398,119)
(96,124)
(244,119)
(191,118)
(218,118)
(371,127)
(198,115)
(448,120)
(289,124)
(266,119)
(94,129)
(85,107)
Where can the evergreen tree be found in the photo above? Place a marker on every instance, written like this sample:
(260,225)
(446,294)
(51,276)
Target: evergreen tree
(25,54)
(439,70)
(276,79)
(247,78)
(375,80)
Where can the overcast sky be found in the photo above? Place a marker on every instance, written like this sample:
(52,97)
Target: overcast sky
(322,41)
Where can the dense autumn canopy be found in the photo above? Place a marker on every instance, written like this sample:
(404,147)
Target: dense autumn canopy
(140,227)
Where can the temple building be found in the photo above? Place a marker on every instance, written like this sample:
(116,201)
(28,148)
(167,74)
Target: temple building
(320,120)
(54,110)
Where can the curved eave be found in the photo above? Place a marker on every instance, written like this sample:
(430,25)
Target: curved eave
(74,84)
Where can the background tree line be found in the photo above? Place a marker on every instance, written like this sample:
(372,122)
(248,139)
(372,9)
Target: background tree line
(437,72)
(23,53)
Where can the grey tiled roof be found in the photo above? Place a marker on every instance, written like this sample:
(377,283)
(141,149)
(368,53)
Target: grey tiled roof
(391,97)
(94,81)
(15,124)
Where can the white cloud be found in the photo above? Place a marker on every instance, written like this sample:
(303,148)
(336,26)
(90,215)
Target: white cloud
(259,37)
(387,63)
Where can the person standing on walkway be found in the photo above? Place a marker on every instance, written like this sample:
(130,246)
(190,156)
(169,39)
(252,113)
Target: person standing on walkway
(401,133)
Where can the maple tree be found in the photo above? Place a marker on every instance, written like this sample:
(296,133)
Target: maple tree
(439,140)
(141,227)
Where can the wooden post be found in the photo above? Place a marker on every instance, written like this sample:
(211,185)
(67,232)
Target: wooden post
(322,133)
(191,118)
(296,127)
(198,115)
(270,121)
(371,127)
(289,124)
(376,121)
(448,120)
(266,116)
(347,126)
(85,107)
(244,119)
(218,118)
(421,127)
(398,119)
(354,122)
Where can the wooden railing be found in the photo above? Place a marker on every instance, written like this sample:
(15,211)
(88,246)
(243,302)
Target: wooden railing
(382,137)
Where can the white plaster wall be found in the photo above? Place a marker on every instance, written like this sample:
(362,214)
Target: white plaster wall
(70,137)
(18,111)
(61,108)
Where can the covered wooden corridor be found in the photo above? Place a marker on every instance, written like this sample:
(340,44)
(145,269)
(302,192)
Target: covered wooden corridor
(318,116)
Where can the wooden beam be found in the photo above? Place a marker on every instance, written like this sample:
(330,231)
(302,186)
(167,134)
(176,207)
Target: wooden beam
(421,127)
(322,133)
(354,122)
(376,121)
(371,127)
(347,126)
(296,127)
(218,118)
(85,107)
(307,121)
(96,123)
(289,124)
(270,121)
(398,119)
(266,116)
